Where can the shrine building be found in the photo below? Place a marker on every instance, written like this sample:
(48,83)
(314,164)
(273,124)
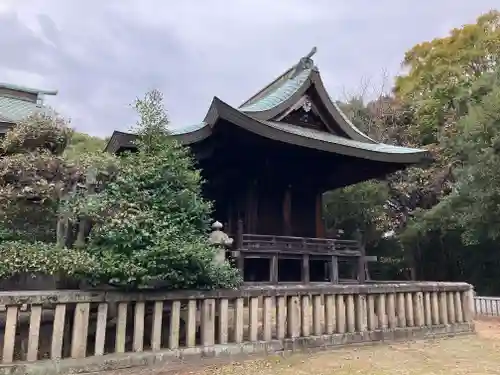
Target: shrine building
(267,164)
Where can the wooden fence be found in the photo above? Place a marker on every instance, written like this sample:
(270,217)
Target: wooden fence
(76,331)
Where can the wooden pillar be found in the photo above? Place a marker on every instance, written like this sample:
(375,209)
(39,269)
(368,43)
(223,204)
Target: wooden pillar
(274,269)
(320,225)
(255,207)
(361,259)
(287,211)
(361,269)
(305,269)
(248,209)
(334,271)
(251,208)
(239,234)
(239,246)
(229,227)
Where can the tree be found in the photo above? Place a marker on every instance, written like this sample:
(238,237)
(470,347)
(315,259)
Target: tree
(358,207)
(436,90)
(441,70)
(81,143)
(473,204)
(34,178)
(457,238)
(151,223)
(443,216)
(450,82)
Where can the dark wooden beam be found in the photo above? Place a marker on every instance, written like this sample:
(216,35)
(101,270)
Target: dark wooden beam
(287,211)
(298,252)
(251,202)
(306,277)
(254,210)
(229,228)
(320,227)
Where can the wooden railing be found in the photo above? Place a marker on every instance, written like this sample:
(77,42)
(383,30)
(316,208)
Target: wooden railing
(55,328)
(299,245)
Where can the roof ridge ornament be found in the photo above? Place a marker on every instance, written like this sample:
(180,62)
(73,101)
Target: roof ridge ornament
(304,63)
(311,54)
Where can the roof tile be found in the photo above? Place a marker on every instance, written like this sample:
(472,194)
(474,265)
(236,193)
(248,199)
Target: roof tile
(332,138)
(14,110)
(281,93)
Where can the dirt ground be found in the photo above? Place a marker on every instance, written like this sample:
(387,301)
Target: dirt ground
(475,355)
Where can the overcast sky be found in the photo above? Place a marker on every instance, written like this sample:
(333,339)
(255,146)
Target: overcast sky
(101,54)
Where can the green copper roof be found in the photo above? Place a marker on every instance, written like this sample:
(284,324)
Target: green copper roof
(279,91)
(14,110)
(14,107)
(188,129)
(263,112)
(332,138)
(27,89)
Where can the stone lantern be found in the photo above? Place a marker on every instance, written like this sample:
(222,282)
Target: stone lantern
(220,240)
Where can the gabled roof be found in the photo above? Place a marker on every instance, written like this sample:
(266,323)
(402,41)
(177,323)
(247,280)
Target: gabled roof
(262,114)
(277,91)
(287,89)
(14,108)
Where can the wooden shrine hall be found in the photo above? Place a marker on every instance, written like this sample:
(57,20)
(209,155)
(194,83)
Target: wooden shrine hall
(267,164)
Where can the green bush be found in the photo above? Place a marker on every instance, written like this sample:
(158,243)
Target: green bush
(20,257)
(38,132)
(151,224)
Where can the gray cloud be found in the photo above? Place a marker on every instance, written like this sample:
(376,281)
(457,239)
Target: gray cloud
(100,55)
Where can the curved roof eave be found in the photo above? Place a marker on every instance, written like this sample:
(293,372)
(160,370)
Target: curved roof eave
(339,116)
(288,134)
(292,93)
(120,139)
(27,89)
(202,131)
(372,151)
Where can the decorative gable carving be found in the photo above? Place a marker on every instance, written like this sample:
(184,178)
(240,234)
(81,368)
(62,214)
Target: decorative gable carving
(304,114)
(307,119)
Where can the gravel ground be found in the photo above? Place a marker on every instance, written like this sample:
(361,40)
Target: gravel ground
(475,355)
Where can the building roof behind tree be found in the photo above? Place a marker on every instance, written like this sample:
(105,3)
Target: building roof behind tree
(18,102)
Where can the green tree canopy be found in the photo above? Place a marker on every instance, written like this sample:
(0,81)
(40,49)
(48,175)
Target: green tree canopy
(151,223)
(443,69)
(448,82)
(452,87)
(81,143)
(34,178)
